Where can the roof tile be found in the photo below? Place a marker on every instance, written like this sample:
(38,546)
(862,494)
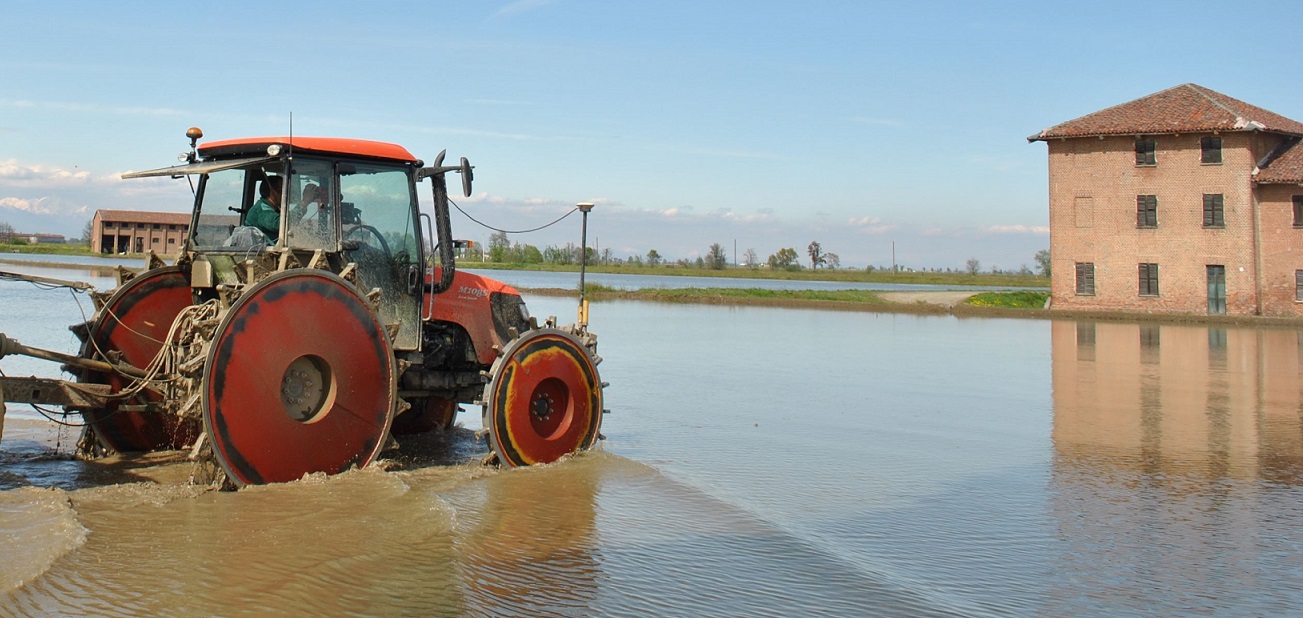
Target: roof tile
(1285,168)
(142,216)
(1188,108)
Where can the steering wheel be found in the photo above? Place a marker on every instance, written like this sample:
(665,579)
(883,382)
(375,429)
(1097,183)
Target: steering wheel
(373,232)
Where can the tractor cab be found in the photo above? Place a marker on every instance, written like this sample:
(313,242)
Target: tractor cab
(331,202)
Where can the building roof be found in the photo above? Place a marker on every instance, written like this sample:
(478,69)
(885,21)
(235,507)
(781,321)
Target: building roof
(143,216)
(1188,108)
(1285,167)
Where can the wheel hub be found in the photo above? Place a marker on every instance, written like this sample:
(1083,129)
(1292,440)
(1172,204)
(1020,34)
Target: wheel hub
(542,405)
(307,389)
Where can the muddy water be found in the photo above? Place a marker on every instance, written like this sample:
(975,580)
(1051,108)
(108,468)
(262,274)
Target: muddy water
(758,462)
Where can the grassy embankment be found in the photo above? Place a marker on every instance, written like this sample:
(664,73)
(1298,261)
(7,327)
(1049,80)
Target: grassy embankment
(46,249)
(805,274)
(844,299)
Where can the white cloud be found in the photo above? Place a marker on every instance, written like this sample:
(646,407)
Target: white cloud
(1014,229)
(40,198)
(727,214)
(870,225)
(32,206)
(15,174)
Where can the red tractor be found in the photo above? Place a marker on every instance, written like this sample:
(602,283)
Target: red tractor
(296,342)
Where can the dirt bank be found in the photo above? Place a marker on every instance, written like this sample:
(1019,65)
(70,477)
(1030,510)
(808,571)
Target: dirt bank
(948,298)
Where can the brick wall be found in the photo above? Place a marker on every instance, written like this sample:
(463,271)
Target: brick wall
(1282,250)
(1093,187)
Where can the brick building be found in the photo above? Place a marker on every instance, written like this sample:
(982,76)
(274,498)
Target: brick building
(134,231)
(1184,201)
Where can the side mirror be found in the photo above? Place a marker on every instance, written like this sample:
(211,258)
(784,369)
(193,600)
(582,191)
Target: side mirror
(439,168)
(466,176)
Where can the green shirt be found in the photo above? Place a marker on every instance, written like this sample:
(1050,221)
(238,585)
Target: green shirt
(265,218)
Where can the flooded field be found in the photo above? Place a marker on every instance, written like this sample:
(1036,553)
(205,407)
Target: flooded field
(758,462)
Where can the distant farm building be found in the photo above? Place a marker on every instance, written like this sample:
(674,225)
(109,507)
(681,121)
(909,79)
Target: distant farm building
(1184,201)
(134,231)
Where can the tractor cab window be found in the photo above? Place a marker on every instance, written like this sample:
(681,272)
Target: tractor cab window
(227,196)
(312,201)
(377,212)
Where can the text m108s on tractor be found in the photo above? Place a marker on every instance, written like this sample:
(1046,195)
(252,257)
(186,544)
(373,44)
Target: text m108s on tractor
(300,348)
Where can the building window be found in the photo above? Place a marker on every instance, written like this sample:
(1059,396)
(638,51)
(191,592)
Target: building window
(1213,207)
(1146,211)
(1145,151)
(171,227)
(1298,211)
(1212,149)
(109,224)
(1085,278)
(171,241)
(1298,285)
(1149,279)
(158,226)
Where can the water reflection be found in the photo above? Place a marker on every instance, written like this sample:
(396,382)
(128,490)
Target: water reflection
(526,541)
(1185,400)
(1177,464)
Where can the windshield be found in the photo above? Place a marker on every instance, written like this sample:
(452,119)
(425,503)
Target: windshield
(229,198)
(378,218)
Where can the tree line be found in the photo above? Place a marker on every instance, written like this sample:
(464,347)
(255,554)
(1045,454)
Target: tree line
(502,251)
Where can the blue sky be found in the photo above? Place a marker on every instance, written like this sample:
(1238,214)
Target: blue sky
(765,124)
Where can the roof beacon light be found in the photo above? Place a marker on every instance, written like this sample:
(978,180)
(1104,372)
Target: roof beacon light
(193,133)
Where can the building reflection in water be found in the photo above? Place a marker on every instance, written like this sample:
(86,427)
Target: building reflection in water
(1188,400)
(1178,469)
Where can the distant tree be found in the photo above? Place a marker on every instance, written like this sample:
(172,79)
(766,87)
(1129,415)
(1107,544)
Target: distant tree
(499,245)
(973,266)
(783,258)
(86,231)
(869,268)
(834,261)
(716,258)
(553,254)
(634,260)
(6,232)
(1043,261)
(606,256)
(752,260)
(1024,271)
(532,255)
(816,255)
(653,258)
(700,262)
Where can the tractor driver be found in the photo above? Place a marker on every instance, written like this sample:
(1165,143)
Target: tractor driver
(266,212)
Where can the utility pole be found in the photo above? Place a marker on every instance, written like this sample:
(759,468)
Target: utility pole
(584,207)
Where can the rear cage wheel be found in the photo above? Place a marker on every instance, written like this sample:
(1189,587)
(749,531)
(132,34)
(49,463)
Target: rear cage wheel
(543,400)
